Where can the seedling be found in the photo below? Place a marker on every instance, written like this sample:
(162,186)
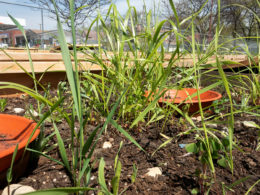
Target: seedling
(116,179)
(3,103)
(217,148)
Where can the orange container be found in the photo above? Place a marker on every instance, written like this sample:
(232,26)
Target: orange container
(14,130)
(181,97)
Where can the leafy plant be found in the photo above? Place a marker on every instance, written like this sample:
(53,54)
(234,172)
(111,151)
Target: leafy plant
(218,151)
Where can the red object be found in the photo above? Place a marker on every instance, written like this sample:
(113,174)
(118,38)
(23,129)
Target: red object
(181,98)
(14,130)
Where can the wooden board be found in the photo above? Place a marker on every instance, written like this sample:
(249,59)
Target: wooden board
(53,61)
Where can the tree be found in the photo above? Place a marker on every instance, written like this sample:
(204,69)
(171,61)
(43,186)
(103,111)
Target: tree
(237,20)
(84,8)
(204,22)
(241,20)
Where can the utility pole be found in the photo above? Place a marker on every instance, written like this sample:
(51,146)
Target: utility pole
(42,37)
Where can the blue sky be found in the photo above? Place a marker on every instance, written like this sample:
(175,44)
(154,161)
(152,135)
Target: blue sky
(33,16)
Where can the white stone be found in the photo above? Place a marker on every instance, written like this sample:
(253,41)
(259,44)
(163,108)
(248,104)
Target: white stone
(249,124)
(19,110)
(107,145)
(35,114)
(212,125)
(154,172)
(196,118)
(178,76)
(16,189)
(92,178)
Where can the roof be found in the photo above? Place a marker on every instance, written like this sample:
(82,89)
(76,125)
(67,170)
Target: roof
(6,23)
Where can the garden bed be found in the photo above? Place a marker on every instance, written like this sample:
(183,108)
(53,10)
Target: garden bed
(178,167)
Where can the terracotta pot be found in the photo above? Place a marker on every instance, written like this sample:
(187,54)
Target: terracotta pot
(14,130)
(180,97)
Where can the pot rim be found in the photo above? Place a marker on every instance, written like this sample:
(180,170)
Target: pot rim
(188,101)
(22,144)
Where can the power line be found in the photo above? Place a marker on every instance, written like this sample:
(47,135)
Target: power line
(23,5)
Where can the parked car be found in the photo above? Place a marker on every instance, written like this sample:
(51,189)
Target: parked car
(3,45)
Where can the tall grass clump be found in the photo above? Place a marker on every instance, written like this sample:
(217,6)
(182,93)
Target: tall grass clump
(129,59)
(80,147)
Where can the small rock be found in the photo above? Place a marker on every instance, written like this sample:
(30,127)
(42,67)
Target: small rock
(178,76)
(34,113)
(92,178)
(249,124)
(16,189)
(154,172)
(107,145)
(19,110)
(187,154)
(111,139)
(196,118)
(212,125)
(9,107)
(54,180)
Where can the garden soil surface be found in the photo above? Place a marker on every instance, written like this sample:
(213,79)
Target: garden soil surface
(178,167)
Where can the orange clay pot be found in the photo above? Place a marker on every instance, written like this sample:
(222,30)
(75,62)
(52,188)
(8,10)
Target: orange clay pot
(14,130)
(180,97)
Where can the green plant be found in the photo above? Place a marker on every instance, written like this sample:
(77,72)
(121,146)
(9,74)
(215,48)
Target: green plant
(3,103)
(9,176)
(81,149)
(218,151)
(116,179)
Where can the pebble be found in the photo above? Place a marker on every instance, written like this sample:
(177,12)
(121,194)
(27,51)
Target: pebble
(111,139)
(9,107)
(16,189)
(54,180)
(19,110)
(107,145)
(154,172)
(249,124)
(212,125)
(44,182)
(178,76)
(92,178)
(196,118)
(35,114)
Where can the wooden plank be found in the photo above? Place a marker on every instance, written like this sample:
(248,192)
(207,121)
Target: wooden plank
(12,67)
(35,56)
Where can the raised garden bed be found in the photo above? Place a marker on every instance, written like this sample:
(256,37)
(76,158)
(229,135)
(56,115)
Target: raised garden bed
(178,167)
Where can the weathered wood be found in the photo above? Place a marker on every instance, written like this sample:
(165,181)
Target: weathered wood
(12,67)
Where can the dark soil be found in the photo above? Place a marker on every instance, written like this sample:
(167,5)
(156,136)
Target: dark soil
(178,168)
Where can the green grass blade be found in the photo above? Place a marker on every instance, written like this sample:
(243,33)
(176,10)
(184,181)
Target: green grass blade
(127,135)
(62,148)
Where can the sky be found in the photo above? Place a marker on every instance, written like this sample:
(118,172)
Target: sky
(33,16)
